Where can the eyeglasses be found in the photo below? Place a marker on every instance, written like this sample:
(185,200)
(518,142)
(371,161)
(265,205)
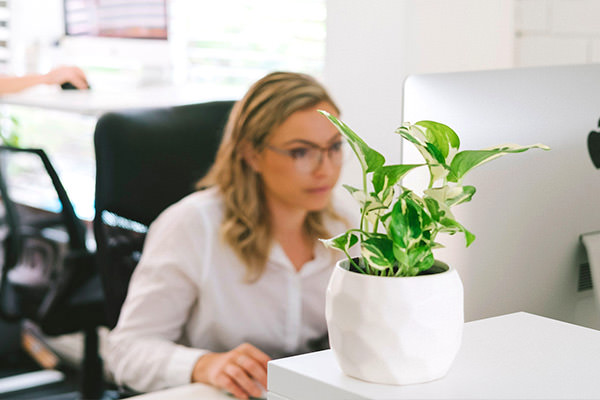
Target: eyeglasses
(308,157)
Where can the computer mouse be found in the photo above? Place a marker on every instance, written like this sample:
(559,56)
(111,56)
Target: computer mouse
(69,86)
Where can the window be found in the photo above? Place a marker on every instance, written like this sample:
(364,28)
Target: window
(231,43)
(116,18)
(4,35)
(222,45)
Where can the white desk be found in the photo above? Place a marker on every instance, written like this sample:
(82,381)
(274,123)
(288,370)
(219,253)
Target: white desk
(97,101)
(195,391)
(516,356)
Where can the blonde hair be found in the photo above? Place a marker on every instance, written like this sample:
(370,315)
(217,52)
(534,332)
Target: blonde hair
(246,224)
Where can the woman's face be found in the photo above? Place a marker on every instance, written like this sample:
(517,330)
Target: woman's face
(302,160)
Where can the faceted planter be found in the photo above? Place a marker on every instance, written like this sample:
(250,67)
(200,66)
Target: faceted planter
(395,330)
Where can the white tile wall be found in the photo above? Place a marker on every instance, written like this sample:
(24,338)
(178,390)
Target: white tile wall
(531,16)
(576,17)
(596,50)
(554,32)
(538,50)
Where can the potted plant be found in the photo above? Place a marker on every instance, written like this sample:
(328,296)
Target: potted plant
(395,314)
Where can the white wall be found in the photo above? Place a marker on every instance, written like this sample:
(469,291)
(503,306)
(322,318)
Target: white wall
(555,32)
(32,33)
(372,45)
(365,68)
(459,35)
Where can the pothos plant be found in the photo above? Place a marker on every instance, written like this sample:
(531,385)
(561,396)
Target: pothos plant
(398,228)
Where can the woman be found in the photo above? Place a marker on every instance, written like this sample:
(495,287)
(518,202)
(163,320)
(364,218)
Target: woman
(234,275)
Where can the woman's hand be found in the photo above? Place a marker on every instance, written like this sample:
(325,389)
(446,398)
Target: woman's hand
(236,371)
(64,74)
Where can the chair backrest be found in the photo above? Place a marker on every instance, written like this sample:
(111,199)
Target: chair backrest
(39,271)
(146,160)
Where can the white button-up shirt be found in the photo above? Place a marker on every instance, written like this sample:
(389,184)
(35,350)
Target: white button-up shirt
(187,297)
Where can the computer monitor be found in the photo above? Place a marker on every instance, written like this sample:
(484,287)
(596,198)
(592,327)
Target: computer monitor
(530,208)
(120,44)
(116,18)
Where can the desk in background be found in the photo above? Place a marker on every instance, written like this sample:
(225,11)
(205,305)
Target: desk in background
(97,101)
(62,123)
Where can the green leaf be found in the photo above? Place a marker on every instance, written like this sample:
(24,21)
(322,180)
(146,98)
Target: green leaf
(460,194)
(432,155)
(385,220)
(387,196)
(408,221)
(414,219)
(420,258)
(424,217)
(400,255)
(374,203)
(342,241)
(466,160)
(453,226)
(420,207)
(434,209)
(439,195)
(442,136)
(398,227)
(350,189)
(389,175)
(369,159)
(378,251)
(436,153)
(375,210)
(357,194)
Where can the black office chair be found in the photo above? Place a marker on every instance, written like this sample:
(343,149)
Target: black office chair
(146,160)
(53,283)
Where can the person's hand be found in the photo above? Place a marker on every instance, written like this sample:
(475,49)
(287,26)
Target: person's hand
(236,371)
(64,74)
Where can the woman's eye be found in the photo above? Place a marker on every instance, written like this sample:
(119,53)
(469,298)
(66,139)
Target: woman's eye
(300,152)
(337,146)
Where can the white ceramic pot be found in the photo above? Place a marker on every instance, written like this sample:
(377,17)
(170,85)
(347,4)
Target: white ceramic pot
(394,330)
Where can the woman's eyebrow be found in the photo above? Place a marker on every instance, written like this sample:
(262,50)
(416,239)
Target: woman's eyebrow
(334,138)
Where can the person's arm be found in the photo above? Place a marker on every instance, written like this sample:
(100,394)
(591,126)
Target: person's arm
(58,76)
(13,84)
(142,352)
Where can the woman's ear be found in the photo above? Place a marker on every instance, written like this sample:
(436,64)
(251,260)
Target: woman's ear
(251,157)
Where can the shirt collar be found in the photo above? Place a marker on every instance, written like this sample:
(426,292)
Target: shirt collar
(320,260)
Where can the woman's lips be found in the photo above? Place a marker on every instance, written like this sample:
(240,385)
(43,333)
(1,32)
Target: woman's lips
(319,190)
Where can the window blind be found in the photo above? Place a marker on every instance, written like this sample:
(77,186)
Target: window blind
(4,35)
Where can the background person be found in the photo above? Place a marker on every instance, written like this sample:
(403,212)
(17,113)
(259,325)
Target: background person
(234,275)
(57,76)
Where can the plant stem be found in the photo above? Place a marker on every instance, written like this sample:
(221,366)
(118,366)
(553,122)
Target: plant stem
(363,219)
(430,178)
(376,225)
(353,263)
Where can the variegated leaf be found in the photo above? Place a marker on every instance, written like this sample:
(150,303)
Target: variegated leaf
(466,160)
(342,241)
(432,155)
(369,159)
(389,175)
